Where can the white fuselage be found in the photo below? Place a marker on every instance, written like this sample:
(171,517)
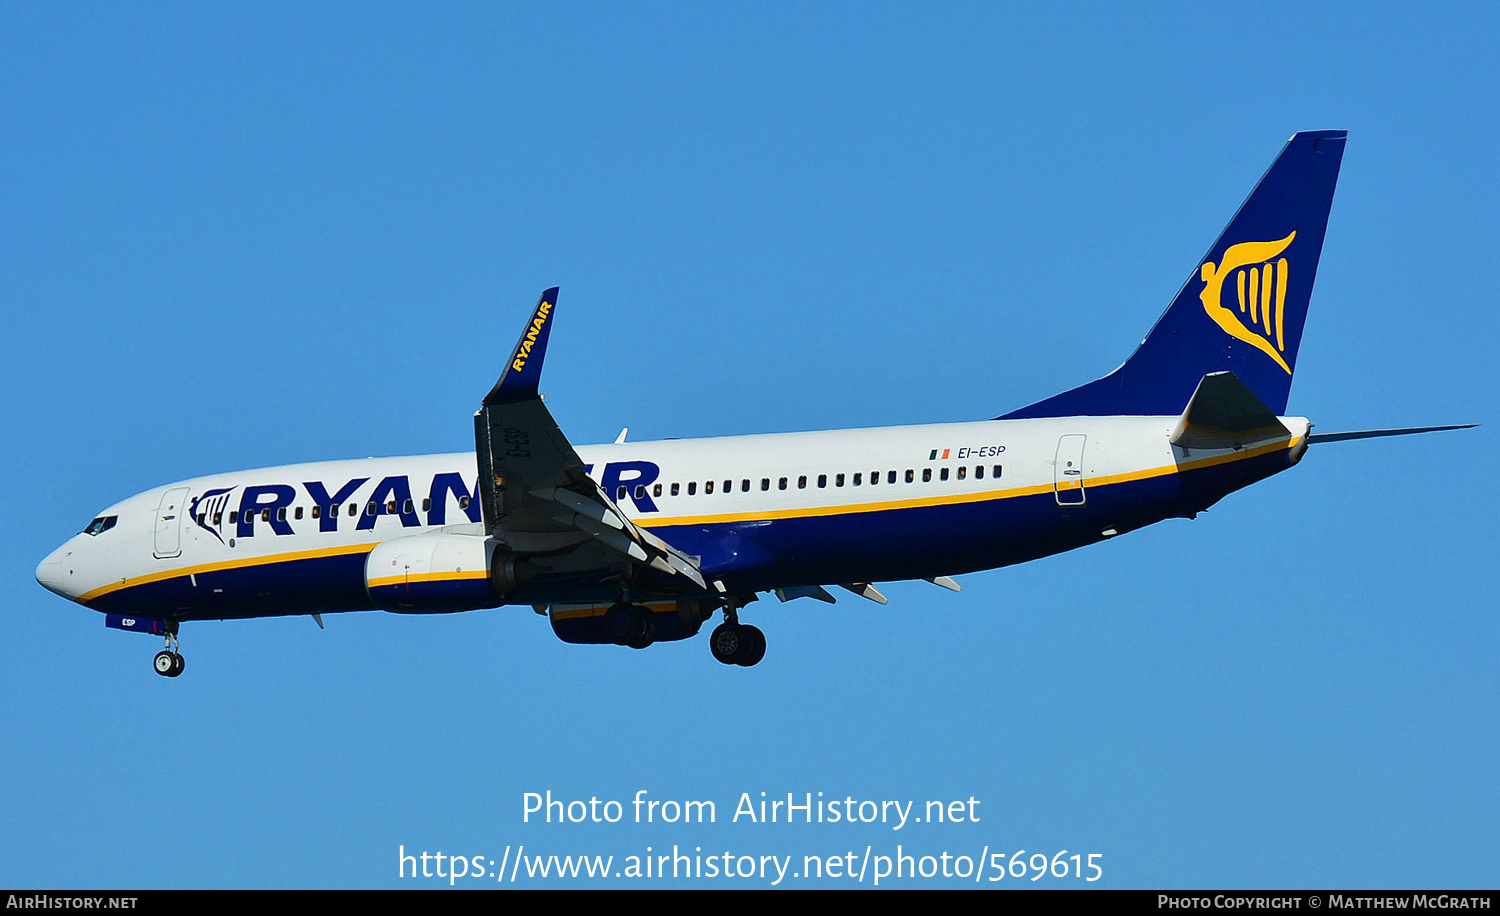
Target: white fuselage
(861,489)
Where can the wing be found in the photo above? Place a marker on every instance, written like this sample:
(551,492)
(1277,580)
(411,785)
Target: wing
(537,498)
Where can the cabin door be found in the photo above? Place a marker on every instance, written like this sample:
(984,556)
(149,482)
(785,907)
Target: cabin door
(169,522)
(1068,476)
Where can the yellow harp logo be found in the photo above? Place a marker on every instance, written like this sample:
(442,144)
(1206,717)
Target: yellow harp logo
(1261,285)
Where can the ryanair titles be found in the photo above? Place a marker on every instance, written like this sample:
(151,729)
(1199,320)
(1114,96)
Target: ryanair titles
(538,321)
(277,505)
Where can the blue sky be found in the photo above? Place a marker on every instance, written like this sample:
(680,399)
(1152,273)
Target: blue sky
(252,235)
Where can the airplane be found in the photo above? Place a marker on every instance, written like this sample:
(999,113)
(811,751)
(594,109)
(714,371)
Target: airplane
(634,543)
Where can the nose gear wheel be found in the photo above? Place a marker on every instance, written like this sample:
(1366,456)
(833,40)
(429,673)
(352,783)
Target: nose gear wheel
(169,662)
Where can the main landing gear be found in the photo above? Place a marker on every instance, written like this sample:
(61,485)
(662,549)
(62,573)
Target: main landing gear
(169,661)
(735,643)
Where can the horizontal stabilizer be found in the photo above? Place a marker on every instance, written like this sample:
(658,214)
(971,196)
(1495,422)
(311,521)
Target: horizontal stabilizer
(1376,433)
(1223,413)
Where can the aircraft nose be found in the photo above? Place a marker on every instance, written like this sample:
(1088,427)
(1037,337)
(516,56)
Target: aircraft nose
(53,572)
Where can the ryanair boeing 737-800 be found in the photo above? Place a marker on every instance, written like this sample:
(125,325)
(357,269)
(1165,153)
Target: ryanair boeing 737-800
(638,542)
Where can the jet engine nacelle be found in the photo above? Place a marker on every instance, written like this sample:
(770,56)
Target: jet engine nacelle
(670,620)
(441,572)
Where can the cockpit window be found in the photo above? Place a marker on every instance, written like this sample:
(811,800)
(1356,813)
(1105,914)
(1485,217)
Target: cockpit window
(101,524)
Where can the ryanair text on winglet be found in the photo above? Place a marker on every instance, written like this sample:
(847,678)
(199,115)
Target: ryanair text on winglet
(538,321)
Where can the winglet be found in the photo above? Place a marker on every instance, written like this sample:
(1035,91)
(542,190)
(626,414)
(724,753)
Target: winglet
(524,371)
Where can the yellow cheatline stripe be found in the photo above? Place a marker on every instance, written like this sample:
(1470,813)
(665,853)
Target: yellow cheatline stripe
(226,564)
(429,577)
(962,498)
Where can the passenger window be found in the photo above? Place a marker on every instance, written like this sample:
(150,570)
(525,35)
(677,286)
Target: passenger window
(728,486)
(390,508)
(640,492)
(265,515)
(692,487)
(943,474)
(427,504)
(234,516)
(890,477)
(315,514)
(619,493)
(708,486)
(838,480)
(781,484)
(978,472)
(408,507)
(765,484)
(911,475)
(822,480)
(802,482)
(281,514)
(997,472)
(856,479)
(674,488)
(927,475)
(962,471)
(354,509)
(372,507)
(745,485)
(656,490)
(219,519)
(463,502)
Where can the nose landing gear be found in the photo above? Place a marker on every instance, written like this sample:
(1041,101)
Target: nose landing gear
(168,662)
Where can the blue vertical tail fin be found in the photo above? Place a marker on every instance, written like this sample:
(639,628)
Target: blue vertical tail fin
(1242,308)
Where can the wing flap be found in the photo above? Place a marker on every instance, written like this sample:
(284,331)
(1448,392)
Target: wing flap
(606,514)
